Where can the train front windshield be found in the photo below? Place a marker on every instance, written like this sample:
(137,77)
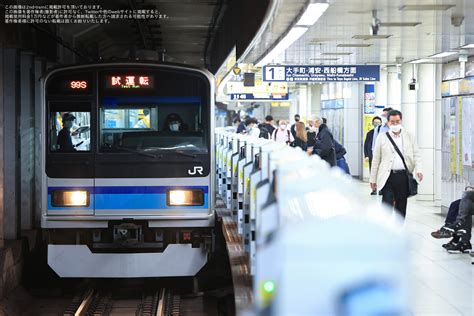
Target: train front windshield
(128,122)
(161,127)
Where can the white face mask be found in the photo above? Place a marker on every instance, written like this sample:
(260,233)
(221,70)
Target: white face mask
(395,128)
(282,126)
(174,127)
(313,129)
(384,120)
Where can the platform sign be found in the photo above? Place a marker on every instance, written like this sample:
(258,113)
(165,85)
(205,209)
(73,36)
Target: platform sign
(332,73)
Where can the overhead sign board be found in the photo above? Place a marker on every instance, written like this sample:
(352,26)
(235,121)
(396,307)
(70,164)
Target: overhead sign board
(330,73)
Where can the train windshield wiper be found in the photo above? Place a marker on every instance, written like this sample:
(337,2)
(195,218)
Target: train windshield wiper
(138,152)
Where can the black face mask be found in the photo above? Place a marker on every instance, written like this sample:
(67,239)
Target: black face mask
(297,119)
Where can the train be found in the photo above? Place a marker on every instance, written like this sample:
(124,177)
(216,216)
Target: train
(127,179)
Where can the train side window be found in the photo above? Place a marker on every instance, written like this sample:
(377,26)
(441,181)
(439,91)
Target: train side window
(69,131)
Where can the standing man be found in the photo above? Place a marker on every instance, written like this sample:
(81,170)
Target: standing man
(269,124)
(293,127)
(388,171)
(382,128)
(324,143)
(376,122)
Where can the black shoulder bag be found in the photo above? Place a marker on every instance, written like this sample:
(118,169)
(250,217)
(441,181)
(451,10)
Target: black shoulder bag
(412,183)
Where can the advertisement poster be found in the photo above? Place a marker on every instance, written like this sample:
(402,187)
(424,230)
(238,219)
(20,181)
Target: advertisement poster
(467,131)
(369,99)
(367,127)
(452,136)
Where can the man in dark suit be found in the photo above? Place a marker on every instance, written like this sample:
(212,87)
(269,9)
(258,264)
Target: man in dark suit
(376,122)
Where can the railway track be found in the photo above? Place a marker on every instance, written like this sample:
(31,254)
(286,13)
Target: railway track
(97,302)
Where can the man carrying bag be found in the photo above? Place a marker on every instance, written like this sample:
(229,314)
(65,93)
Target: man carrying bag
(396,159)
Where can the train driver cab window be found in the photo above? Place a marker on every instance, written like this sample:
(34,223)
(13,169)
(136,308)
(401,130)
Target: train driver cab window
(152,127)
(69,131)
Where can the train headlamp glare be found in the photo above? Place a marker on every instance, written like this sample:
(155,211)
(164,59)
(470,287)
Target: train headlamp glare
(70,198)
(185,197)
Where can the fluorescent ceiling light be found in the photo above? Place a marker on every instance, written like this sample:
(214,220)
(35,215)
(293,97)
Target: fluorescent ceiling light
(294,34)
(367,37)
(427,7)
(312,13)
(468,46)
(399,24)
(443,54)
(421,61)
(337,53)
(354,45)
(324,59)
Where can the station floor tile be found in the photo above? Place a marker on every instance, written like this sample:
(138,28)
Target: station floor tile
(441,283)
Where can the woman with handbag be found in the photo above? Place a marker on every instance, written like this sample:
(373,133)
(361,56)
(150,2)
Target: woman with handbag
(396,160)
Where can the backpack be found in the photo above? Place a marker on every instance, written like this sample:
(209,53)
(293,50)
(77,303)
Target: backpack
(264,133)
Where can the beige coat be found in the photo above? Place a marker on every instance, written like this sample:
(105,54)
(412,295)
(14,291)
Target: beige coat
(384,154)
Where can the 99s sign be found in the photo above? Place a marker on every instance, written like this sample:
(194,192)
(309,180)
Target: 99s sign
(78,84)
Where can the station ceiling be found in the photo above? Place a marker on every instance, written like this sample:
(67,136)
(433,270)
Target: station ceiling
(425,30)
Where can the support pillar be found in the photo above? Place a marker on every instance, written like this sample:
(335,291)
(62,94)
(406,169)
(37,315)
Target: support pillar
(425,131)
(381,93)
(8,165)
(393,88)
(438,128)
(27,141)
(409,99)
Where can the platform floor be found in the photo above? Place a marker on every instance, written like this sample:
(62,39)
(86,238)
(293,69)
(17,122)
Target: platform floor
(442,282)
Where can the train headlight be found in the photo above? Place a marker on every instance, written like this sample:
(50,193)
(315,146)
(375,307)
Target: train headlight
(70,198)
(185,197)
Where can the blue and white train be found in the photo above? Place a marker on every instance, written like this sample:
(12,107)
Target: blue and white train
(128,183)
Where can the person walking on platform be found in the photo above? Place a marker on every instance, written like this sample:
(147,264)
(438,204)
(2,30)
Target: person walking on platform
(369,137)
(312,131)
(396,154)
(382,128)
(268,124)
(293,127)
(282,134)
(251,127)
(324,143)
(301,139)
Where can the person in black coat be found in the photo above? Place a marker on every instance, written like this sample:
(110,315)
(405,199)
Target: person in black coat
(64,140)
(324,144)
(376,122)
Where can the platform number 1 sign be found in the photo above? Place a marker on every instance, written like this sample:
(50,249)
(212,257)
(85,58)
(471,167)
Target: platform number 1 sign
(274,73)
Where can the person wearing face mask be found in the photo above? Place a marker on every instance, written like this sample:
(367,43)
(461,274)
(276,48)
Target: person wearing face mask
(251,128)
(376,122)
(282,133)
(382,128)
(64,140)
(389,169)
(174,123)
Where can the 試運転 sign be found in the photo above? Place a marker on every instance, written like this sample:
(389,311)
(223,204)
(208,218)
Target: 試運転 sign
(333,73)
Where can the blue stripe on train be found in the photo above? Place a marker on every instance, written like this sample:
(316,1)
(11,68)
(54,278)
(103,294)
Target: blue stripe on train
(138,201)
(129,197)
